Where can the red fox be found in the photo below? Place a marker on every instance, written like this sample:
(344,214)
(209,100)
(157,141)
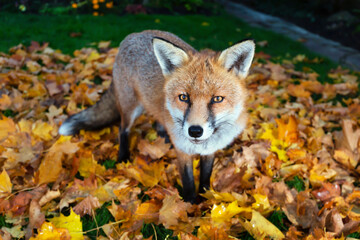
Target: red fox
(198,97)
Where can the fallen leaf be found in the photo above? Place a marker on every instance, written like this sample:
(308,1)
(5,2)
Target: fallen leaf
(5,102)
(104,44)
(7,126)
(50,195)
(16,232)
(259,227)
(173,210)
(148,174)
(5,184)
(155,150)
(36,217)
(49,231)
(222,213)
(72,223)
(87,206)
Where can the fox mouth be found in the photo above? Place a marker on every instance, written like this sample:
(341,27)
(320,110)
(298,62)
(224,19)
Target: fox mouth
(197,141)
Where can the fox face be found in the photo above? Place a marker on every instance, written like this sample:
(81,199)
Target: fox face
(205,95)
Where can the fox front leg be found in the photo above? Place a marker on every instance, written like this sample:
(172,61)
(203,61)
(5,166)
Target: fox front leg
(185,166)
(206,165)
(160,129)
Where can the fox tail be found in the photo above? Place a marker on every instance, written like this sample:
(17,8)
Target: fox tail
(100,115)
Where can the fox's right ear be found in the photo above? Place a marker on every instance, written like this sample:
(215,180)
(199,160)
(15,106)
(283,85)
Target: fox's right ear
(168,55)
(238,58)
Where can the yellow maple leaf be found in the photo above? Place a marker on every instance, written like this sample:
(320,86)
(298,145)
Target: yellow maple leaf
(259,227)
(278,146)
(320,173)
(88,165)
(93,56)
(148,174)
(5,183)
(71,223)
(268,133)
(49,232)
(261,203)
(224,212)
(42,130)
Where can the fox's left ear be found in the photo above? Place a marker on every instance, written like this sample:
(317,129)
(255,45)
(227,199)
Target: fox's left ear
(238,58)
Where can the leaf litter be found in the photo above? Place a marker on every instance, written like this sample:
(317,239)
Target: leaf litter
(293,173)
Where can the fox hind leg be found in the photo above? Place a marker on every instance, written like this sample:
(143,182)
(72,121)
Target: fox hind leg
(127,120)
(124,153)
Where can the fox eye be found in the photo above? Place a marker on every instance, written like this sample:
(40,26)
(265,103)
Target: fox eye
(184,98)
(217,99)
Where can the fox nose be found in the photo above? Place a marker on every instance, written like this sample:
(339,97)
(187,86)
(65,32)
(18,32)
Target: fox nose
(195,131)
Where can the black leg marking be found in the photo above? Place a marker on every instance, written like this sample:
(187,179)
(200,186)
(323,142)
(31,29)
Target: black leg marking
(206,164)
(162,132)
(124,153)
(187,177)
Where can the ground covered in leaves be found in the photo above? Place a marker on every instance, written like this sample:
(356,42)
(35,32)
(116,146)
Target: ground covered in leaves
(293,173)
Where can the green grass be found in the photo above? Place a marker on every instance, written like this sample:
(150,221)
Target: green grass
(296,183)
(102,217)
(157,231)
(277,218)
(215,32)
(110,163)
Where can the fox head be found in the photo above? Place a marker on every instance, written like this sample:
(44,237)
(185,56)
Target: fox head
(205,94)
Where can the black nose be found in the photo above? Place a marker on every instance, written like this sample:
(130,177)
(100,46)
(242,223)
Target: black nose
(195,131)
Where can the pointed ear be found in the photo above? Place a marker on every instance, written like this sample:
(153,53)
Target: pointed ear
(168,55)
(238,58)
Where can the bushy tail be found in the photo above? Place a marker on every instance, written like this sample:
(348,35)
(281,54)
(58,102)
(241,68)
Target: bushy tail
(102,114)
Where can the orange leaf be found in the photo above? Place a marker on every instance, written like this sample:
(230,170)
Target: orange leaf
(298,91)
(288,132)
(50,164)
(148,211)
(7,126)
(5,102)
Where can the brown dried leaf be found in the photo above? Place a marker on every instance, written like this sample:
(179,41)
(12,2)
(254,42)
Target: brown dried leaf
(87,206)
(173,211)
(155,150)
